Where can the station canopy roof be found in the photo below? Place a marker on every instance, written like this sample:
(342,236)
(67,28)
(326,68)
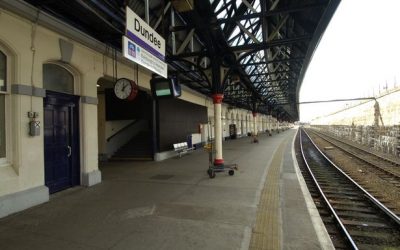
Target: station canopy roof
(263,46)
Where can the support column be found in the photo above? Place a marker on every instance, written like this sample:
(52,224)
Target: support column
(217,99)
(255,124)
(277,125)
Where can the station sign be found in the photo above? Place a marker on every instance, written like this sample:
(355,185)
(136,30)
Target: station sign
(143,45)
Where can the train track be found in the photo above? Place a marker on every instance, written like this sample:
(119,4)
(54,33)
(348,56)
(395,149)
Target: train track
(385,168)
(362,220)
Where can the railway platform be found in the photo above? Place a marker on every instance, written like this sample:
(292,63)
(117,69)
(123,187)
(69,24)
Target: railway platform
(173,204)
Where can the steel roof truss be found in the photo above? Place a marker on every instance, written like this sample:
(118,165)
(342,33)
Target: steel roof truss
(275,12)
(185,42)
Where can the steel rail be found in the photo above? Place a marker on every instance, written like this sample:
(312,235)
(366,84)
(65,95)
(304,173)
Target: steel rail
(372,164)
(366,151)
(374,200)
(336,217)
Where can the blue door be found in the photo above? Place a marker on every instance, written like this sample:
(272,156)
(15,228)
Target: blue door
(61,141)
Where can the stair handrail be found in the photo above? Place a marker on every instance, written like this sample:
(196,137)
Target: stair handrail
(122,129)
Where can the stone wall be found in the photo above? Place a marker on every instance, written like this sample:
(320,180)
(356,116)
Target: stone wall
(385,140)
(372,123)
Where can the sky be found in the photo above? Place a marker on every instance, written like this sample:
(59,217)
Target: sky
(358,54)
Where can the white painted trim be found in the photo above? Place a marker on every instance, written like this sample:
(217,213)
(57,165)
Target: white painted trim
(11,77)
(73,71)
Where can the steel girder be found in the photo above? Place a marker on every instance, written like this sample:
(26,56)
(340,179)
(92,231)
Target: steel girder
(272,42)
(264,46)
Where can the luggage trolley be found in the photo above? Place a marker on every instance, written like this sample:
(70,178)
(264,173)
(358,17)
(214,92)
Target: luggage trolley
(212,169)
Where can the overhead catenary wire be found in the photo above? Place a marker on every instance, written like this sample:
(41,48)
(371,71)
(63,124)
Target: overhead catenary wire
(339,100)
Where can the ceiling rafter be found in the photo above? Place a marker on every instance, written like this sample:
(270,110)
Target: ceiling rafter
(268,43)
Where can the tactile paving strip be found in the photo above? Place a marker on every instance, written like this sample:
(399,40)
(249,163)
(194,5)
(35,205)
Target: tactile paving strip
(267,230)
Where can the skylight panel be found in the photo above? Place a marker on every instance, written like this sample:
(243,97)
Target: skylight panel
(235,32)
(249,69)
(257,5)
(246,59)
(219,6)
(223,14)
(238,2)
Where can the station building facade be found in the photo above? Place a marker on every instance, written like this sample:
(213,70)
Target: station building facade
(53,108)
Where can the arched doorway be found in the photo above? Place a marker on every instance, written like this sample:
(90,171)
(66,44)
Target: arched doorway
(61,128)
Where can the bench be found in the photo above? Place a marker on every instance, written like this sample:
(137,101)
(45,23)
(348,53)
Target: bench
(181,148)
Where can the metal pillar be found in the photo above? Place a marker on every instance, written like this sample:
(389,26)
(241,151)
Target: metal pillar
(146,11)
(255,124)
(217,79)
(217,99)
(173,40)
(254,111)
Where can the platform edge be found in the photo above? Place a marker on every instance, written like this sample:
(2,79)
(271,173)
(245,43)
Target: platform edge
(318,225)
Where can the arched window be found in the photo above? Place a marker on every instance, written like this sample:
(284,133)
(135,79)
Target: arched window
(57,78)
(3,89)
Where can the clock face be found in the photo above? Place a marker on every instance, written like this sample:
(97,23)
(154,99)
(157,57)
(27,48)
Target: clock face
(123,88)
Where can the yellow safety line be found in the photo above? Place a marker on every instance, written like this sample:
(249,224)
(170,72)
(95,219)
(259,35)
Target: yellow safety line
(267,230)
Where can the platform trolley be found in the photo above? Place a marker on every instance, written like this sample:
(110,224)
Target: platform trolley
(212,169)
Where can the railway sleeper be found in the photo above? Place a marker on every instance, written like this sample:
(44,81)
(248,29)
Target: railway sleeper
(375,235)
(356,209)
(339,193)
(349,203)
(388,241)
(336,196)
(365,224)
(374,246)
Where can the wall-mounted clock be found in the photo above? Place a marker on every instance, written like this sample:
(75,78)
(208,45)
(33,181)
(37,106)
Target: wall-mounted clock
(126,89)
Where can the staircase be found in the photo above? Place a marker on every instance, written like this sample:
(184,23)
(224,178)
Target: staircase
(139,148)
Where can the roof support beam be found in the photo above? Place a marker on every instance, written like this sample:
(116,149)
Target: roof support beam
(275,61)
(249,6)
(265,45)
(247,32)
(273,6)
(161,17)
(173,39)
(250,48)
(277,80)
(270,73)
(273,12)
(276,31)
(185,42)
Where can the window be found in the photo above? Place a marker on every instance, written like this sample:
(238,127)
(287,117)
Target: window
(58,79)
(3,89)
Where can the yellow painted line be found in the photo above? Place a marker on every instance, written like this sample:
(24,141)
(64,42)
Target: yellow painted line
(267,230)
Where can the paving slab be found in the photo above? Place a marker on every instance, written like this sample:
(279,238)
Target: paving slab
(171,204)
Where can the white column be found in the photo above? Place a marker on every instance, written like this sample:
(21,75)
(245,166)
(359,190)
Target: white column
(217,98)
(255,123)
